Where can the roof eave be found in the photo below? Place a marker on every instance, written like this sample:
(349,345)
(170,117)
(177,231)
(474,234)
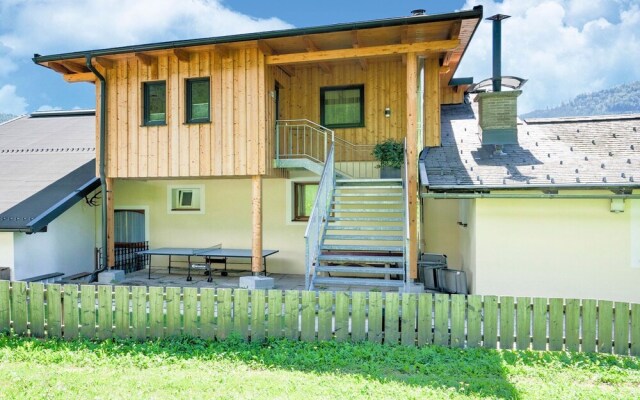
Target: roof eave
(586,186)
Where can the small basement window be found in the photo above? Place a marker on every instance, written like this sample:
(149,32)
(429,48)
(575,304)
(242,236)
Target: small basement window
(154,103)
(342,106)
(186,199)
(304,195)
(198,100)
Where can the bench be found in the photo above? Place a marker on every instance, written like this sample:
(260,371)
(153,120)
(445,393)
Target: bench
(81,276)
(46,278)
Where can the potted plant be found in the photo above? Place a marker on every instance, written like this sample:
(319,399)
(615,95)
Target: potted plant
(390,155)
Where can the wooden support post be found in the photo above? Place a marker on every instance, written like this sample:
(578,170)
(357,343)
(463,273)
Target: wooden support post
(111,251)
(431,102)
(256,213)
(412,161)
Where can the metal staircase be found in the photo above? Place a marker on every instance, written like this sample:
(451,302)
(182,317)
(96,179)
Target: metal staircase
(363,241)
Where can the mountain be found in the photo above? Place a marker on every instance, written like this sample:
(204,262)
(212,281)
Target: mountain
(6,117)
(623,99)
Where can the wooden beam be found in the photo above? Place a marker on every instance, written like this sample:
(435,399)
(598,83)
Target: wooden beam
(412,161)
(431,111)
(74,67)
(355,43)
(105,62)
(256,213)
(454,34)
(182,55)
(288,70)
(372,51)
(444,69)
(111,251)
(265,48)
(145,59)
(311,47)
(83,77)
(59,68)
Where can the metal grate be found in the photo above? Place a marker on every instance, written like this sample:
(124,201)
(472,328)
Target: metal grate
(127,257)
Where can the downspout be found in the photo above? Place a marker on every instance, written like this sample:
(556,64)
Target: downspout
(101,168)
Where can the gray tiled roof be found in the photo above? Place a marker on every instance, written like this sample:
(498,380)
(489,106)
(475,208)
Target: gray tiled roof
(36,152)
(571,152)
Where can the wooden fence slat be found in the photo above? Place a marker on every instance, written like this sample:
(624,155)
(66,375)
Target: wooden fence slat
(374,327)
(70,312)
(589,315)
(274,326)
(36,309)
(241,313)
(122,312)
(105,312)
(605,326)
(190,310)
(507,311)
(358,316)
(621,329)
(391,322)
(441,326)
(635,330)
(308,314)
(425,319)
(458,315)
(490,322)
(5,306)
(88,311)
(408,319)
(556,324)
(257,315)
(342,316)
(224,313)
(291,314)
(539,324)
(54,311)
(325,316)
(139,312)
(207,313)
(19,307)
(572,330)
(156,312)
(174,314)
(474,321)
(523,323)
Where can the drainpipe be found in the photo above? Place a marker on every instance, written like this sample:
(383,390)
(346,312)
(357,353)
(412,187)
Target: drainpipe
(497,50)
(101,168)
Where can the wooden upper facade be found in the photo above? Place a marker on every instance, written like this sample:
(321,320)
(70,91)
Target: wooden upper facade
(244,72)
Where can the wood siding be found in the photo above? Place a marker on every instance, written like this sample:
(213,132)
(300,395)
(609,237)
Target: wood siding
(234,143)
(384,86)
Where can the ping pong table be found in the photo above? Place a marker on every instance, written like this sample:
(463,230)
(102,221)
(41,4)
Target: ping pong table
(211,255)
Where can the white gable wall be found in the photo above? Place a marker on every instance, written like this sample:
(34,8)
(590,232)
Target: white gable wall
(6,250)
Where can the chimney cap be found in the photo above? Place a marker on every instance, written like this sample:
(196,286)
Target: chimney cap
(498,17)
(418,11)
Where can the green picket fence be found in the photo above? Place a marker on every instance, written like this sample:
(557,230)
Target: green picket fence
(138,312)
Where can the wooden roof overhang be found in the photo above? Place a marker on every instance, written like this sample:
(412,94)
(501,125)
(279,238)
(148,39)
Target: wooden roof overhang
(445,36)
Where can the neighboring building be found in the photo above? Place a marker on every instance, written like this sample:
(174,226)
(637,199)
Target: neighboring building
(47,170)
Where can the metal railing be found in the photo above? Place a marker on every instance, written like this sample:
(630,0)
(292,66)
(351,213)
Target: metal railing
(405,197)
(318,218)
(304,139)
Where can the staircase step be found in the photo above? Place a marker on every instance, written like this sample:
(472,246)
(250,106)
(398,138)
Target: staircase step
(357,282)
(367,194)
(367,187)
(362,237)
(368,202)
(362,247)
(351,182)
(360,270)
(367,210)
(364,228)
(367,219)
(351,258)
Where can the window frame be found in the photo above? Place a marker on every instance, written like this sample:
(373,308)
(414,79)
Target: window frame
(325,89)
(298,216)
(146,102)
(189,101)
(173,197)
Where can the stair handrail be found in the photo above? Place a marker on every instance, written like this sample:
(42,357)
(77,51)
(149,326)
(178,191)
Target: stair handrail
(318,218)
(405,198)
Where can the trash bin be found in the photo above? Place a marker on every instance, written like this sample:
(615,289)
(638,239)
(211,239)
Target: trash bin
(5,273)
(428,264)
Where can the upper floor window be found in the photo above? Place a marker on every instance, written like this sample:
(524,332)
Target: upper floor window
(198,100)
(342,106)
(155,103)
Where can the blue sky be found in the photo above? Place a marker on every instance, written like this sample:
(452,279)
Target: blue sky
(564,47)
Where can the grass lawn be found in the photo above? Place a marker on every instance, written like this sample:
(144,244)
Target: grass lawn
(193,368)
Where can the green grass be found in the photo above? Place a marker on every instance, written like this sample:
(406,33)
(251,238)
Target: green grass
(233,369)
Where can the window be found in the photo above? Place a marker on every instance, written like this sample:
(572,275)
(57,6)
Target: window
(342,106)
(186,199)
(155,103)
(198,100)
(304,195)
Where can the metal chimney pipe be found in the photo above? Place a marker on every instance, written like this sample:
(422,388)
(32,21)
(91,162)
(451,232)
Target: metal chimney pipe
(497,50)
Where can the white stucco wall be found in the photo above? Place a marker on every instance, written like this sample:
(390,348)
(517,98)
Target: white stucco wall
(556,248)
(67,246)
(226,220)
(6,250)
